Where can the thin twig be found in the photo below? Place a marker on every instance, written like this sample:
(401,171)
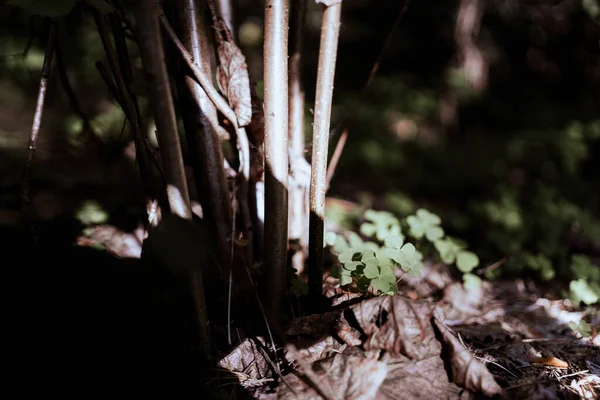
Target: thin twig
(37,117)
(347,121)
(204,81)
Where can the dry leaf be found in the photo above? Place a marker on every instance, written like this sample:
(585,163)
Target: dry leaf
(397,325)
(248,364)
(346,376)
(418,379)
(467,371)
(232,74)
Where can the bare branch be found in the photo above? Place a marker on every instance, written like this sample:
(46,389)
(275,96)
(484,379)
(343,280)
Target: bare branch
(276,151)
(37,117)
(330,29)
(204,81)
(153,63)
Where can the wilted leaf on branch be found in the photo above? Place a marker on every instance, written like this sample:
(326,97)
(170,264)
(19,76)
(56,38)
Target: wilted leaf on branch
(232,74)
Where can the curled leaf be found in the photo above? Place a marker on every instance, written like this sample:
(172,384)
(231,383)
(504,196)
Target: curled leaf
(232,74)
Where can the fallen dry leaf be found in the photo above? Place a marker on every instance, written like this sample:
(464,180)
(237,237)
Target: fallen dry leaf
(418,379)
(232,73)
(398,326)
(248,364)
(345,376)
(467,371)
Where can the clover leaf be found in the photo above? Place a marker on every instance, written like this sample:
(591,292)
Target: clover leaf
(330,239)
(425,223)
(394,241)
(466,261)
(448,249)
(385,284)
(582,291)
(471,282)
(583,328)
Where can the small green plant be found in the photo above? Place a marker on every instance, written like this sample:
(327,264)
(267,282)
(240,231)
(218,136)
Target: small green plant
(374,263)
(585,288)
(583,328)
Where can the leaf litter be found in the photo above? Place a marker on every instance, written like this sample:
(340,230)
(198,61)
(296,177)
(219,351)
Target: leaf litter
(444,341)
(438,340)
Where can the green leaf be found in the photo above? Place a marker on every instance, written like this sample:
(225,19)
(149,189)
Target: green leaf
(371,246)
(345,280)
(45,8)
(409,257)
(583,268)
(466,261)
(583,328)
(409,251)
(428,217)
(385,284)
(394,254)
(581,291)
(340,245)
(351,265)
(356,243)
(368,229)
(471,282)
(434,233)
(417,229)
(425,223)
(416,271)
(394,241)
(368,258)
(346,256)
(447,249)
(330,238)
(371,271)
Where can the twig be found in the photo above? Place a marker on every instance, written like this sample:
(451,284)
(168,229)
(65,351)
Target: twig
(335,158)
(37,117)
(204,81)
(346,122)
(320,385)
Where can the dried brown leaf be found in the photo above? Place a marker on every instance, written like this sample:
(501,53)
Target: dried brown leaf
(467,371)
(347,376)
(232,74)
(248,363)
(397,325)
(418,379)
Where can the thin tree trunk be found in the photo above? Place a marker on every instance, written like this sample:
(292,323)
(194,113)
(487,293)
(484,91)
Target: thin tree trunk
(276,152)
(202,127)
(153,62)
(330,29)
(299,167)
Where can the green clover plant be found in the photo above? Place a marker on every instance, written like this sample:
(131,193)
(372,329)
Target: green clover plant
(373,263)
